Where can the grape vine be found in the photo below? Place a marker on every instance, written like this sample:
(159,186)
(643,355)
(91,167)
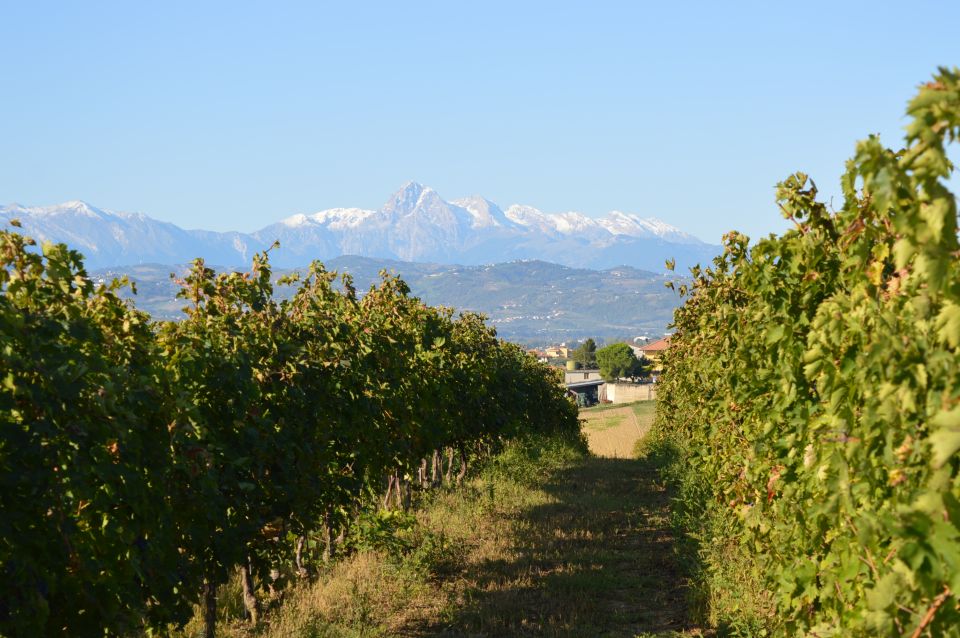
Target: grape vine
(142,464)
(813,387)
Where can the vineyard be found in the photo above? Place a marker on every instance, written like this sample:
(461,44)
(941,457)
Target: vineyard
(143,464)
(807,422)
(812,393)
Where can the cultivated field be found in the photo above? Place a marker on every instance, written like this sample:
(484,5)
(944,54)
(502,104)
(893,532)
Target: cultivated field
(613,432)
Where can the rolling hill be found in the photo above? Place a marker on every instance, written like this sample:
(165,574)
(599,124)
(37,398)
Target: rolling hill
(528,301)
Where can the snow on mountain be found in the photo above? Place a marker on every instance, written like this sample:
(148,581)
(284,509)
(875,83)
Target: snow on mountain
(107,237)
(615,223)
(619,223)
(531,218)
(334,217)
(485,213)
(343,217)
(296,221)
(415,224)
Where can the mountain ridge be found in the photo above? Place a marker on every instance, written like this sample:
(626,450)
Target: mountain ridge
(415,224)
(529,301)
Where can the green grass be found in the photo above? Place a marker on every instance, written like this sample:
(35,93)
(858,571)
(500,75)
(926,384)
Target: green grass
(612,406)
(726,594)
(644,409)
(605,424)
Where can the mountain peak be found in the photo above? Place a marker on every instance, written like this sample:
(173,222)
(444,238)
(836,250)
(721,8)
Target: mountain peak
(412,190)
(411,197)
(76,203)
(484,212)
(293,221)
(74,206)
(406,198)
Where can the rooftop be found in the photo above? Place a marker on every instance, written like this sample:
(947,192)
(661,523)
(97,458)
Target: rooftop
(657,346)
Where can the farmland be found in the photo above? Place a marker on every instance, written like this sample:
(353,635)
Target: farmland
(344,463)
(147,464)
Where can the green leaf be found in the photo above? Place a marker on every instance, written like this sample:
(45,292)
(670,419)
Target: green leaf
(948,324)
(945,439)
(903,250)
(884,593)
(774,334)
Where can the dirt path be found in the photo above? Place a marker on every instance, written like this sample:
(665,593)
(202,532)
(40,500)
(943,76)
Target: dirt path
(589,554)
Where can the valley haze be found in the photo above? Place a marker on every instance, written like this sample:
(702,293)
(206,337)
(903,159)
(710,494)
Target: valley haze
(532,302)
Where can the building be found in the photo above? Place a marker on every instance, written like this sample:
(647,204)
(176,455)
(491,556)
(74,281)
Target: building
(557,352)
(586,393)
(653,351)
(575,376)
(629,392)
(538,354)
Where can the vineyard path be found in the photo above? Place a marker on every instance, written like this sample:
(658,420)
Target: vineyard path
(593,558)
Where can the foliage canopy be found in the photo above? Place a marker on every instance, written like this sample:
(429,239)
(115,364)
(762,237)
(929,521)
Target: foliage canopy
(143,463)
(585,355)
(813,383)
(618,361)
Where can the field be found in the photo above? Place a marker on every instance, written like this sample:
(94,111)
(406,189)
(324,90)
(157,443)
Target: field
(613,431)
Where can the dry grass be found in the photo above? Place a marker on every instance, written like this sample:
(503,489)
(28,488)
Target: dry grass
(614,432)
(367,595)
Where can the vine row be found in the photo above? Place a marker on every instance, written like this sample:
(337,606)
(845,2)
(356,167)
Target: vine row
(813,389)
(142,464)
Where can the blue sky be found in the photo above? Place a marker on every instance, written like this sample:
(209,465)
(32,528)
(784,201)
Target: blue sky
(232,115)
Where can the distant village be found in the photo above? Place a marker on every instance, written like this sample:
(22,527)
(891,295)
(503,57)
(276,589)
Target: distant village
(619,372)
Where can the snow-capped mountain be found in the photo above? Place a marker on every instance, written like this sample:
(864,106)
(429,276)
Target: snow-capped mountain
(109,238)
(415,224)
(632,225)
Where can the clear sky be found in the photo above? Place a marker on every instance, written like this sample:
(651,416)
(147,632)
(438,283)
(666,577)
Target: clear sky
(233,115)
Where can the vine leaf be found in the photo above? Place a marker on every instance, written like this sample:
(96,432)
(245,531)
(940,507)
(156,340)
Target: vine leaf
(948,324)
(945,440)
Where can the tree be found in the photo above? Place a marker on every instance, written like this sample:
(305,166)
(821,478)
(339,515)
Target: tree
(618,360)
(586,355)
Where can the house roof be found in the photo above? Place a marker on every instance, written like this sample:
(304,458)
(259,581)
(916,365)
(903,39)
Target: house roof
(585,384)
(657,346)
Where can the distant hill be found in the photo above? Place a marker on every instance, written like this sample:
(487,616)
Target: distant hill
(415,224)
(527,301)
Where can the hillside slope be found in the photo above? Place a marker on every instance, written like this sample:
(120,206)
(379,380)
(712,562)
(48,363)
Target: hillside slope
(528,301)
